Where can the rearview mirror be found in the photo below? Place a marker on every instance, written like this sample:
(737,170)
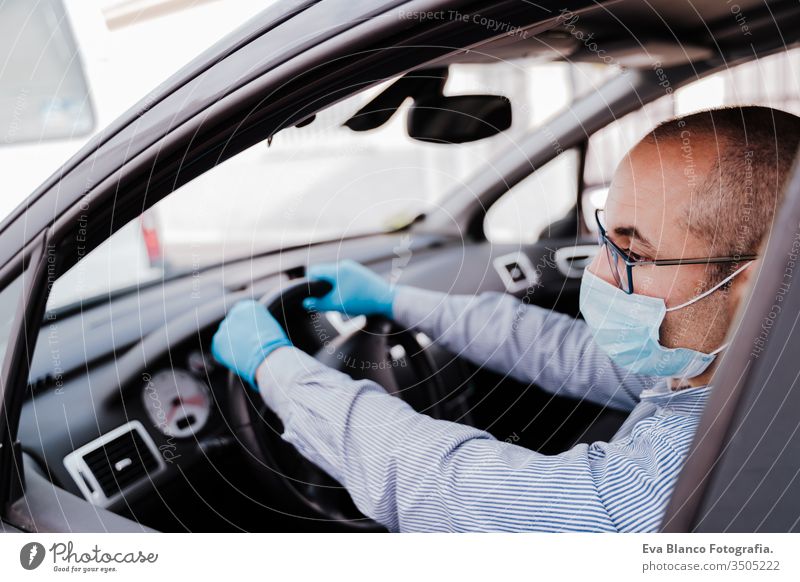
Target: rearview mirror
(458,119)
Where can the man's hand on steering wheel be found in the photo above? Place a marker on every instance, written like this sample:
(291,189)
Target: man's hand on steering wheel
(254,330)
(356,290)
(247,335)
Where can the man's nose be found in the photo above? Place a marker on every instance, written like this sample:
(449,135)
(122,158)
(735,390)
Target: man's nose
(601,267)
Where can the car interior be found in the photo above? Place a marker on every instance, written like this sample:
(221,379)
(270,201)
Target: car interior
(128,413)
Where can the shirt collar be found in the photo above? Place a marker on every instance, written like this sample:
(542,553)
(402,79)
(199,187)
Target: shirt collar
(663,389)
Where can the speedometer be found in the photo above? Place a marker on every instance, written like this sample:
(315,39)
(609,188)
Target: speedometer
(178,403)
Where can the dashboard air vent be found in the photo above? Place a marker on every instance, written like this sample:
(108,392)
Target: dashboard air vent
(121,462)
(106,467)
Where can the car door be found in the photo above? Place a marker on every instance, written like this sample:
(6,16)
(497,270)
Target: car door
(741,474)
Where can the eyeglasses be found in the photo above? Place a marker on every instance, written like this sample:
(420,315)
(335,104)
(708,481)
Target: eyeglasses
(622,263)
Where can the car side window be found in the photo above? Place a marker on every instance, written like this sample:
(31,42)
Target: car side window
(43,91)
(522,213)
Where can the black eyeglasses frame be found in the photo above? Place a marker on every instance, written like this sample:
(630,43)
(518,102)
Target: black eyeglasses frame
(616,254)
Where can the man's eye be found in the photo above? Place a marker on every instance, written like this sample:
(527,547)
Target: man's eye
(633,256)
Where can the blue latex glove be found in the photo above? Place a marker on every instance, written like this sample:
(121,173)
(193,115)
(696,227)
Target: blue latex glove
(356,290)
(245,337)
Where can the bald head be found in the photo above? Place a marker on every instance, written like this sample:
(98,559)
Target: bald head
(734,162)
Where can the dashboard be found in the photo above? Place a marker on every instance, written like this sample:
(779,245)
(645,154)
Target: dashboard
(125,395)
(133,431)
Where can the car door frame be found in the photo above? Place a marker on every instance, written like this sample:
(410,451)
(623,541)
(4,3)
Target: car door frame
(30,268)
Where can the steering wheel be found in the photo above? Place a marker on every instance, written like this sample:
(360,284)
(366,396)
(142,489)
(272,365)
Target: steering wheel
(408,373)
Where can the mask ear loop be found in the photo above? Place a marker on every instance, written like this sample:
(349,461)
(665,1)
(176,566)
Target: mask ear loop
(710,291)
(720,348)
(725,280)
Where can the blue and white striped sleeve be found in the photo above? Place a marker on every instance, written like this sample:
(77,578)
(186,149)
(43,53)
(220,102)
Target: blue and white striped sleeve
(411,472)
(527,342)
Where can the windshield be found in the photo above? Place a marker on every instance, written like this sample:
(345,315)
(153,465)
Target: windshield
(320,182)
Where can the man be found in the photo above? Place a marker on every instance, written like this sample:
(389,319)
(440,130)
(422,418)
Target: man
(686,213)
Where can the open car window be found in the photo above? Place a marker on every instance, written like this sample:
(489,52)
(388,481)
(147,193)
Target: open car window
(321,181)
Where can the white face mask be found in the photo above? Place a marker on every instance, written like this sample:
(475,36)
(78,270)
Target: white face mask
(627,328)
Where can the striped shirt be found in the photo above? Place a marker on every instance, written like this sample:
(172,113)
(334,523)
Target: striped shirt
(411,472)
